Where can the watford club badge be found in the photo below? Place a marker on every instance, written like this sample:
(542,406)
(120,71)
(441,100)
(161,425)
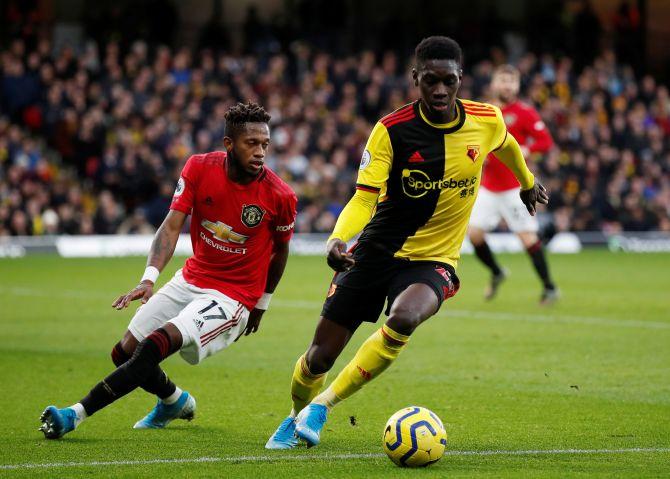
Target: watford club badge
(473,152)
(252,215)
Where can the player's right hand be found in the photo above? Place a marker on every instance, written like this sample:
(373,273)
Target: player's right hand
(338,258)
(537,194)
(142,291)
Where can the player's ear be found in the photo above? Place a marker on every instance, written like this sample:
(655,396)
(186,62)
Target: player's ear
(228,143)
(415,77)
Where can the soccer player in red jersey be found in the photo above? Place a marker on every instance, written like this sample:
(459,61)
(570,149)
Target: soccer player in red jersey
(498,196)
(242,218)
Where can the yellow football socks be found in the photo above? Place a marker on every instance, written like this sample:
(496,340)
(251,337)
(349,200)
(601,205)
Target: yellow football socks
(304,385)
(373,357)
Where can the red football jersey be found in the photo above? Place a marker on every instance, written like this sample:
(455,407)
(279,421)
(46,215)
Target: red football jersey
(525,124)
(233,226)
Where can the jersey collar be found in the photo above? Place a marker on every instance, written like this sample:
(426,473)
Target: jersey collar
(446,128)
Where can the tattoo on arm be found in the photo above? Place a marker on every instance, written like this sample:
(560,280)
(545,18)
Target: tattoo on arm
(165,240)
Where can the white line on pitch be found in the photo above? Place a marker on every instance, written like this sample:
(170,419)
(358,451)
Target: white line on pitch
(445,312)
(538,452)
(328,457)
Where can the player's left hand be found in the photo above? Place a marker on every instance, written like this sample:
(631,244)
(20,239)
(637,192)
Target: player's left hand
(536,194)
(254,322)
(142,291)
(338,257)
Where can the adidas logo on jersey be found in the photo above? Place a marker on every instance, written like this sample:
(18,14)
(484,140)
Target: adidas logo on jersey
(416,158)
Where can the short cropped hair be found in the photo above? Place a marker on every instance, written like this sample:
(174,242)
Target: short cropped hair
(241,114)
(438,48)
(507,69)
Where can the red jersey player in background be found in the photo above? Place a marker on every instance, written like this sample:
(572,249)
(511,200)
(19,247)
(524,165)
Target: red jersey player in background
(498,196)
(242,218)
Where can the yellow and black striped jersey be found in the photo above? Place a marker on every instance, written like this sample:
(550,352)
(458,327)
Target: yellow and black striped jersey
(427,176)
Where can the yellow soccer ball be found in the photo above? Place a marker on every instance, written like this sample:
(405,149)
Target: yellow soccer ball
(414,437)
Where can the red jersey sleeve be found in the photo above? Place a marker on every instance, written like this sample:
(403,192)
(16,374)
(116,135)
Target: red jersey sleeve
(184,193)
(285,220)
(538,132)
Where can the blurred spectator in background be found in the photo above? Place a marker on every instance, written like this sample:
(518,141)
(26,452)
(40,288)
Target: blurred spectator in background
(92,140)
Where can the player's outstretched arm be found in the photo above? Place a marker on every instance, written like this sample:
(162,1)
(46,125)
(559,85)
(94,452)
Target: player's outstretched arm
(162,249)
(355,215)
(275,272)
(532,191)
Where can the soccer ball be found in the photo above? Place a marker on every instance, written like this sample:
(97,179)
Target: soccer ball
(414,437)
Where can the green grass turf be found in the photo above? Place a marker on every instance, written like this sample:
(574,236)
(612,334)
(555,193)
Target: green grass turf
(593,372)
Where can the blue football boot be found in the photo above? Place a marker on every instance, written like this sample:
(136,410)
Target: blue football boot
(162,414)
(284,436)
(57,422)
(309,423)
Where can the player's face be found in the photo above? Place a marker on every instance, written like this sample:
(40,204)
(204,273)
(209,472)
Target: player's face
(438,82)
(505,87)
(249,147)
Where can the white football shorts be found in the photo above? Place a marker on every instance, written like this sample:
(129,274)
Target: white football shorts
(208,320)
(490,207)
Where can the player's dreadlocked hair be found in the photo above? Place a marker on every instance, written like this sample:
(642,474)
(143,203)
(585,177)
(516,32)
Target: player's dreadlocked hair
(241,114)
(438,48)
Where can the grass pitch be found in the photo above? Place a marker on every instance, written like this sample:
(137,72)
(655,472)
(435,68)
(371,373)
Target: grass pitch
(579,389)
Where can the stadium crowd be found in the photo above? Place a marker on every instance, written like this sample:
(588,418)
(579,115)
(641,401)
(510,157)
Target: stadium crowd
(92,141)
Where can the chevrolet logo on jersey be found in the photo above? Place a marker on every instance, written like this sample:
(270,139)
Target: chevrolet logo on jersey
(417,183)
(223,232)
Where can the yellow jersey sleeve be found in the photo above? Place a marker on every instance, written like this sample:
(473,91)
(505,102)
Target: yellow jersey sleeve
(511,156)
(500,133)
(373,174)
(376,161)
(355,215)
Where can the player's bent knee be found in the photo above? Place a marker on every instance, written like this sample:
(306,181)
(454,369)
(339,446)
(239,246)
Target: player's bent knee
(404,321)
(149,353)
(476,236)
(128,343)
(119,355)
(529,239)
(174,335)
(318,360)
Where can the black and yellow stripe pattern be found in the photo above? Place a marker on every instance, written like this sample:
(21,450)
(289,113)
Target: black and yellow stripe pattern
(427,176)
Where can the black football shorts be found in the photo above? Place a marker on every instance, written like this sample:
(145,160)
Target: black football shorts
(360,293)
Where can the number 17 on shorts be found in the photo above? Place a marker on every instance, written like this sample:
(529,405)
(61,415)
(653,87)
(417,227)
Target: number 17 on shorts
(209,324)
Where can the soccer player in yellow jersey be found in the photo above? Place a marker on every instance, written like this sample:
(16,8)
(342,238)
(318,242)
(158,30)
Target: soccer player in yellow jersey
(417,184)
